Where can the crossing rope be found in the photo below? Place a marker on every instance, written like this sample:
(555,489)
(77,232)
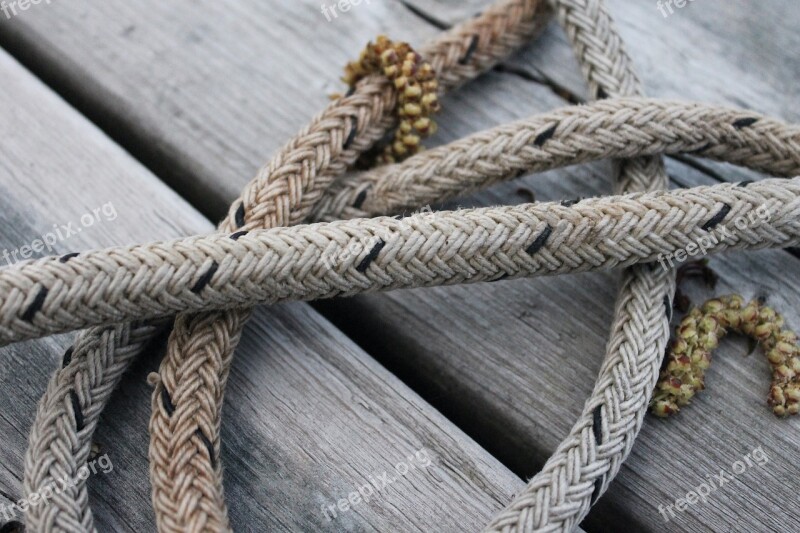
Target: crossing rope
(264,254)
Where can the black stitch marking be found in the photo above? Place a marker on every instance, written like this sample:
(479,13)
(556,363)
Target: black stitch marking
(570,203)
(473,45)
(166,401)
(208,445)
(702,148)
(373,254)
(719,217)
(598,483)
(76,409)
(668,306)
(65,258)
(240,216)
(540,241)
(36,305)
(239,234)
(362,196)
(67,359)
(601,93)
(744,122)
(205,279)
(546,135)
(353,131)
(744,183)
(597,424)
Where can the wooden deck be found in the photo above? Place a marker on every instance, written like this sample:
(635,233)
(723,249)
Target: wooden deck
(166,109)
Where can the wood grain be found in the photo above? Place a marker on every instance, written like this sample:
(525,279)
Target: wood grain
(204,103)
(310,417)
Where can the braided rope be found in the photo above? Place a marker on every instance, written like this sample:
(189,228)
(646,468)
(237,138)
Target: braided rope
(578,473)
(619,128)
(465,246)
(185,425)
(311,262)
(458,55)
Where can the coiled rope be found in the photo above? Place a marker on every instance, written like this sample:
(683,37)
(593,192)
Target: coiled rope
(248,263)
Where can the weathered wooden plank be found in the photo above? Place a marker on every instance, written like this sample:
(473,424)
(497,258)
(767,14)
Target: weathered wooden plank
(491,357)
(310,417)
(266,68)
(729,52)
(512,362)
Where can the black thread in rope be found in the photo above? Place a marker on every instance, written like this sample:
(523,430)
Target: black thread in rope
(238,235)
(668,306)
(166,401)
(744,122)
(65,258)
(373,254)
(597,430)
(205,279)
(744,183)
(67,359)
(353,131)
(239,217)
(702,148)
(500,278)
(36,305)
(208,445)
(473,45)
(597,424)
(598,483)
(546,135)
(540,241)
(76,409)
(362,196)
(719,217)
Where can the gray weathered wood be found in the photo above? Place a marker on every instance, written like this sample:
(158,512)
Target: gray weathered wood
(510,362)
(309,415)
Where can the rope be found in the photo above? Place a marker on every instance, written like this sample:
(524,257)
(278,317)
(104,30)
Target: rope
(185,425)
(255,259)
(578,473)
(331,144)
(345,258)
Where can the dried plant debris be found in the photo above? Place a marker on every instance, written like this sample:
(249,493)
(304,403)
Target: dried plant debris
(417,98)
(700,333)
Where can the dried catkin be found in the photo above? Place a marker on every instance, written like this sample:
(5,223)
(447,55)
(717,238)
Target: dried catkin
(699,334)
(416,86)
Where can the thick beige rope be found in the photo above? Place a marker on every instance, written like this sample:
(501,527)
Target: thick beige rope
(619,128)
(579,472)
(345,258)
(552,501)
(353,124)
(187,402)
